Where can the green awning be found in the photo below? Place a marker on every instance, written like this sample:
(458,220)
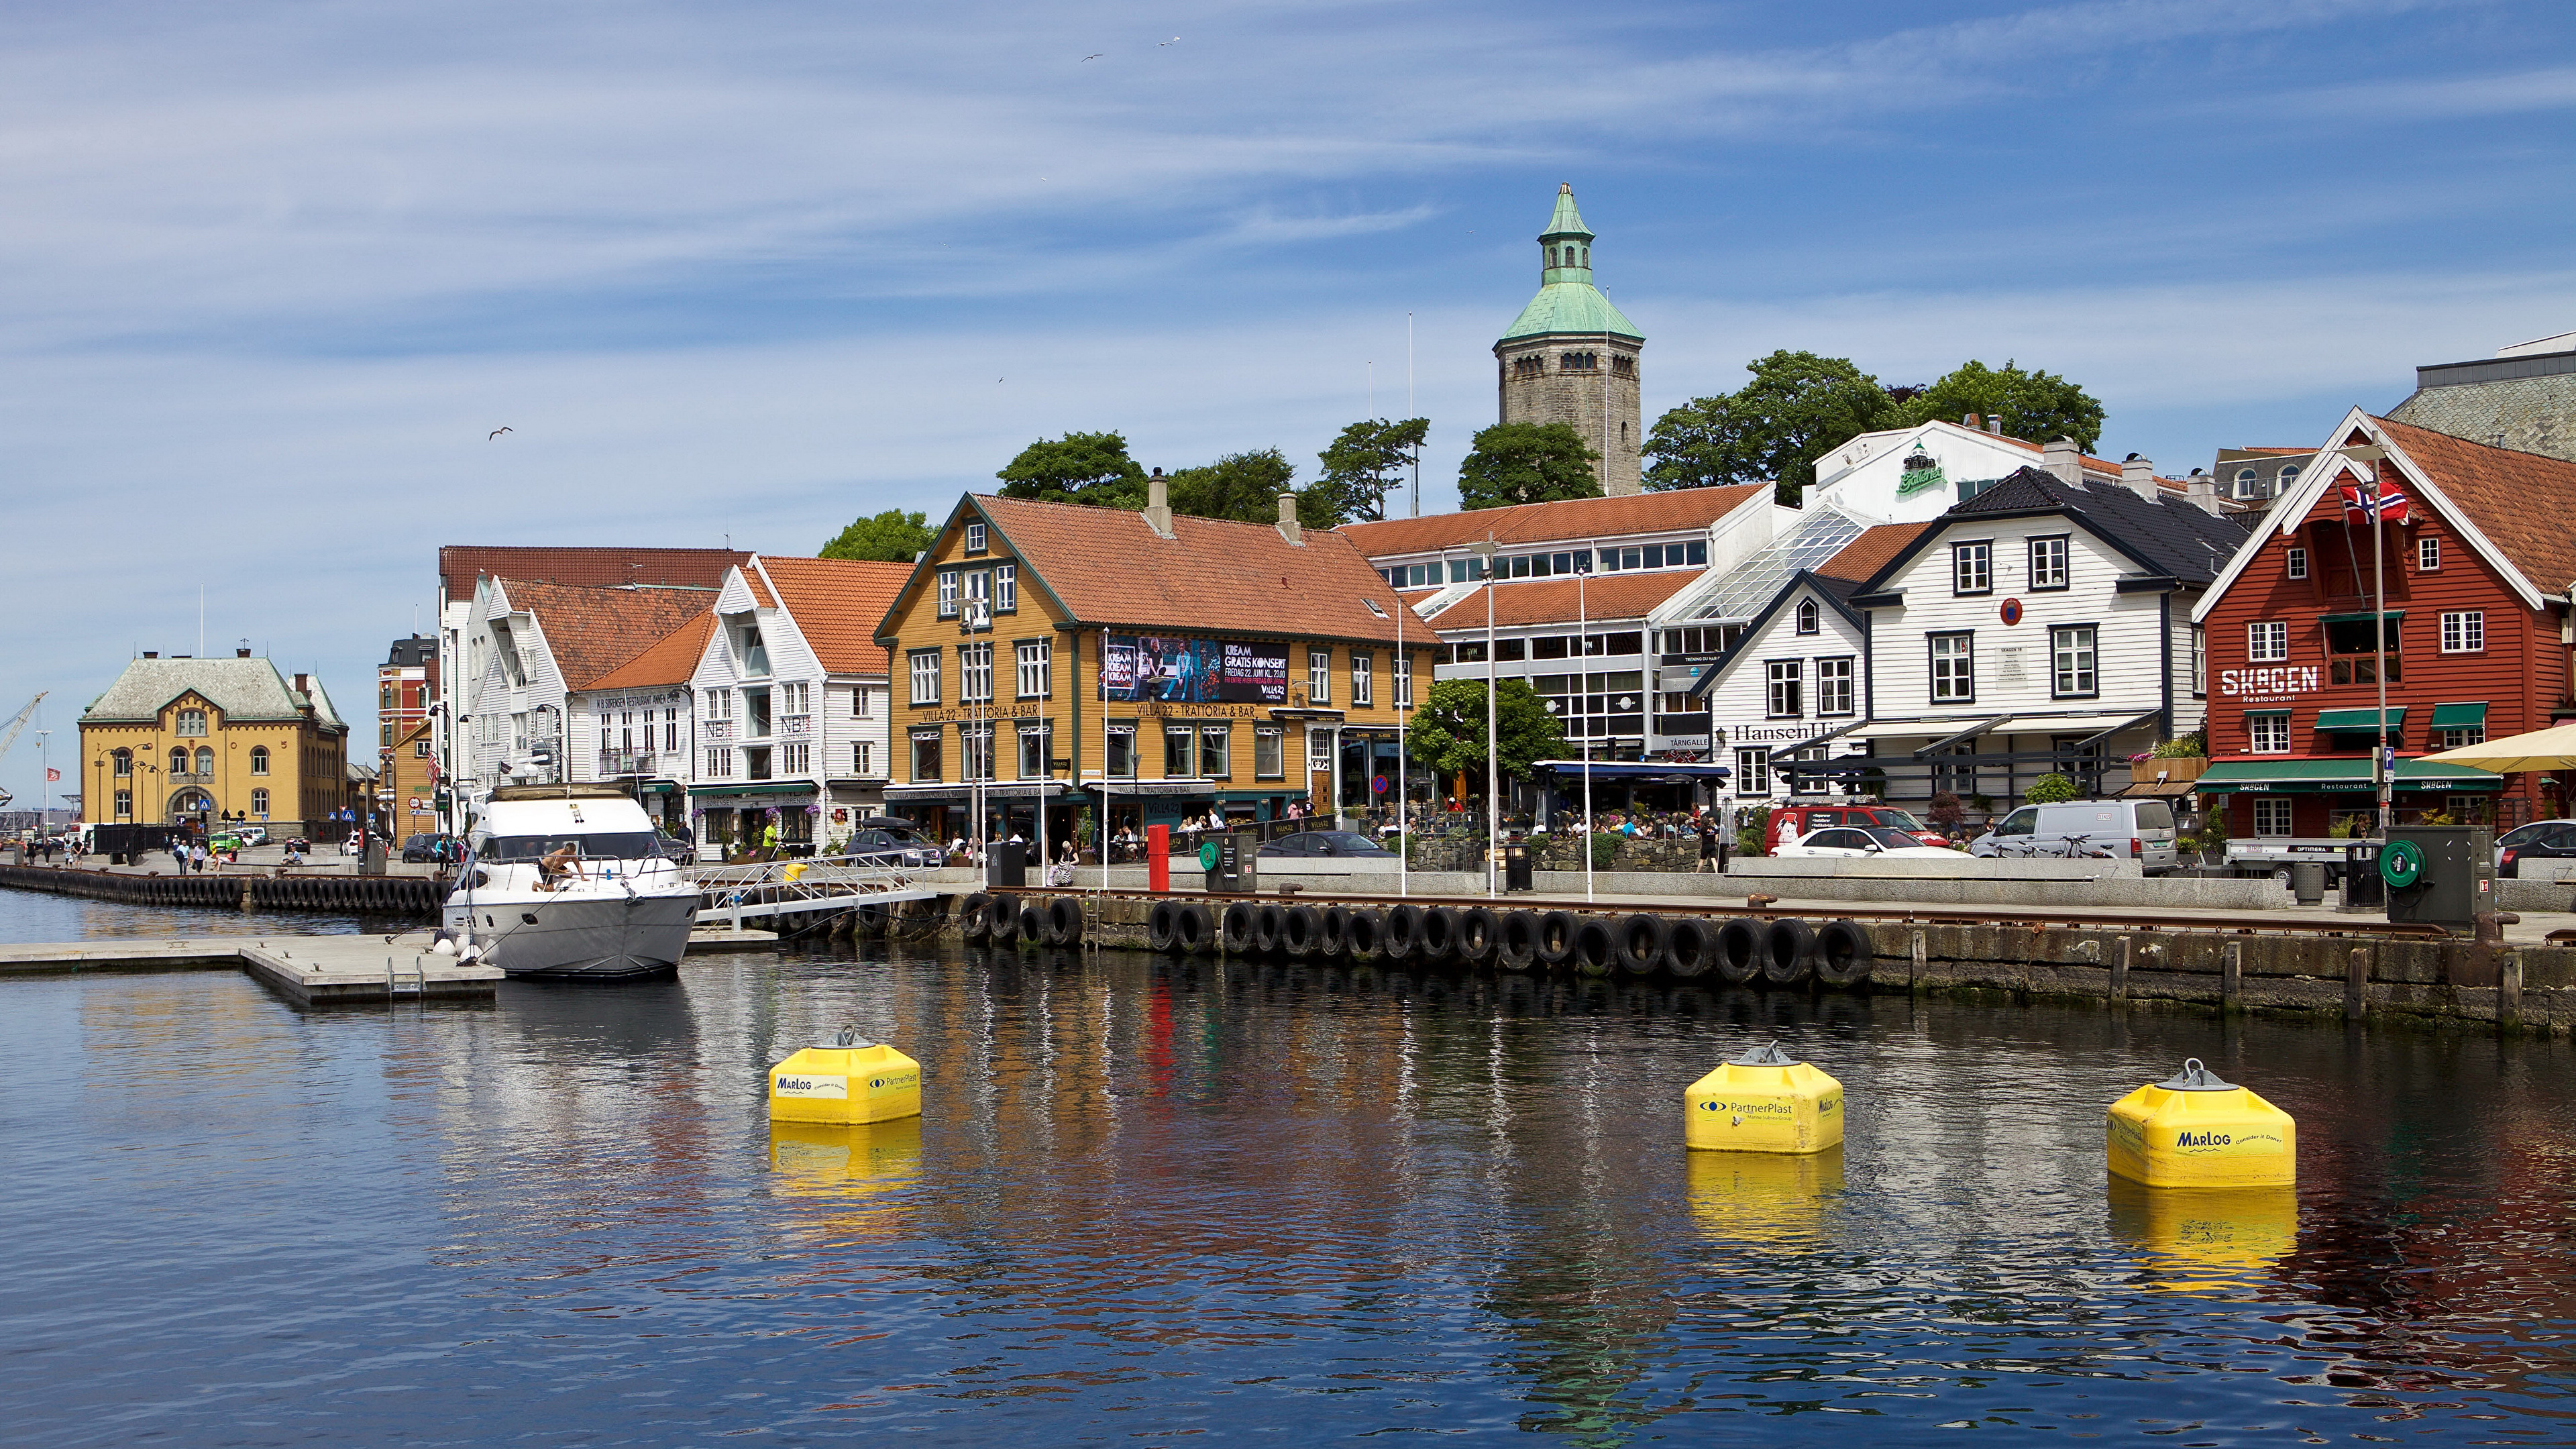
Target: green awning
(2294,777)
(2459,716)
(2359,721)
(2359,617)
(789,787)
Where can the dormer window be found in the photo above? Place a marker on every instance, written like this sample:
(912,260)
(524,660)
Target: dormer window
(755,655)
(974,538)
(192,722)
(1809,619)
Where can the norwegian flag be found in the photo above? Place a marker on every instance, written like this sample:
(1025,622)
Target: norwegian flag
(2393,504)
(53,777)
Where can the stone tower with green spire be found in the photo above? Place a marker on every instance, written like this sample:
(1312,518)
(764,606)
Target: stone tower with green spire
(1571,357)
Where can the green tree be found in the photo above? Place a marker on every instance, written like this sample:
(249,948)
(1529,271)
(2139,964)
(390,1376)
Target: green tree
(1527,463)
(1797,407)
(1246,487)
(1448,731)
(1088,468)
(893,536)
(2049,789)
(2038,406)
(1367,461)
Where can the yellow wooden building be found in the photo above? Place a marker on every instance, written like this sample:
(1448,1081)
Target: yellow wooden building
(1151,668)
(205,740)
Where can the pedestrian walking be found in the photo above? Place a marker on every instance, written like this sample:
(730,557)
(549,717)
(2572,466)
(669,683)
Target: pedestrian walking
(1708,843)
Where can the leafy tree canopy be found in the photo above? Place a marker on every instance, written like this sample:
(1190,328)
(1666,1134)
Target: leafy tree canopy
(1246,487)
(2038,406)
(893,536)
(1797,406)
(1367,461)
(2050,789)
(1448,731)
(1088,468)
(1527,463)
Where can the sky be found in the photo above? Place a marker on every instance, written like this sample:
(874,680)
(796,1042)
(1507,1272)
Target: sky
(272,274)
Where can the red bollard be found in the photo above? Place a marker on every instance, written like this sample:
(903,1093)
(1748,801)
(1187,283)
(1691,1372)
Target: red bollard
(1158,858)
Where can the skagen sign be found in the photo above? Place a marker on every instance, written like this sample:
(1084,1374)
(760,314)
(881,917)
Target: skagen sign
(2277,681)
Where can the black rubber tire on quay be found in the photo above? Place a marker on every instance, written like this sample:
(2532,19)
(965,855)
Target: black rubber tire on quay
(1688,945)
(1439,940)
(1234,928)
(1364,938)
(1788,952)
(1332,929)
(1516,941)
(1162,926)
(1843,954)
(1194,932)
(1402,935)
(1638,944)
(1001,920)
(1475,939)
(1596,946)
(1300,928)
(1033,921)
(972,922)
(1269,928)
(1739,951)
(1555,941)
(1063,922)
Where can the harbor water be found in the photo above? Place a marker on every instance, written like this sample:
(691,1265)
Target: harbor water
(1149,1201)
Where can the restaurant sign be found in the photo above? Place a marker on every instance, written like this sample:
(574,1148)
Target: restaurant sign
(2270,682)
(1194,671)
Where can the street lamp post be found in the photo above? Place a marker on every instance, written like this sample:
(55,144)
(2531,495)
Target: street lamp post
(2381,786)
(1493,729)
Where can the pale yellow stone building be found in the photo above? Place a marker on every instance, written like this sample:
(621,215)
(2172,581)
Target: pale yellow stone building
(205,740)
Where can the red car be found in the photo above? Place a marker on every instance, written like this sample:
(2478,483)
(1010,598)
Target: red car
(1789,822)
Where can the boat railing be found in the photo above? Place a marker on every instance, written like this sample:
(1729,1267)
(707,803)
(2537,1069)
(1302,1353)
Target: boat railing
(826,877)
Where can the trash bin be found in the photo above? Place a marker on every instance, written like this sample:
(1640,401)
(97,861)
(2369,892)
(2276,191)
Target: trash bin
(2308,882)
(1006,865)
(1516,866)
(2363,890)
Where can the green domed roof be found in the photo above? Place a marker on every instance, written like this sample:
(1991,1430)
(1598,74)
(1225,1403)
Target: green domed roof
(1567,303)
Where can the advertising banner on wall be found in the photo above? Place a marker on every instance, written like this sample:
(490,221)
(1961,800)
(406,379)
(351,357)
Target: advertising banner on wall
(1194,671)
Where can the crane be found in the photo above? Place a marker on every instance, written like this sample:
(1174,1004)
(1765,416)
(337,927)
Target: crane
(11,738)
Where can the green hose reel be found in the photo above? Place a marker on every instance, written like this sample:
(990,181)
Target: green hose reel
(1207,855)
(2401,864)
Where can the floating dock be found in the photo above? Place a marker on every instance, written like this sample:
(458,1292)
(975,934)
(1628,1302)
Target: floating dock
(311,970)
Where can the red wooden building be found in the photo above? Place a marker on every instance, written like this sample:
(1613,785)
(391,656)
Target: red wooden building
(2478,568)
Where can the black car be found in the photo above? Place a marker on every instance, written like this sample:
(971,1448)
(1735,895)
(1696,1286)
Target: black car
(2540,840)
(423,849)
(1315,844)
(884,841)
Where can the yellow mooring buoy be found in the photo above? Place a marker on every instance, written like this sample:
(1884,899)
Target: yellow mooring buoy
(850,1081)
(2198,1131)
(1763,1101)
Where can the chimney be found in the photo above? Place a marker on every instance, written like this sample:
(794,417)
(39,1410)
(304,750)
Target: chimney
(1969,421)
(151,653)
(242,653)
(1995,424)
(2140,474)
(2065,460)
(304,684)
(2201,491)
(1288,528)
(1158,505)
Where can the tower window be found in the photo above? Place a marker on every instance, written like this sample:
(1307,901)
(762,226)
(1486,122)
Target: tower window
(1587,256)
(1551,256)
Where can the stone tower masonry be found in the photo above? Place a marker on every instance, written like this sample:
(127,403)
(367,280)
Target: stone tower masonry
(1571,357)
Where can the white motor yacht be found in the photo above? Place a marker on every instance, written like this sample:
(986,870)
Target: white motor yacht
(570,881)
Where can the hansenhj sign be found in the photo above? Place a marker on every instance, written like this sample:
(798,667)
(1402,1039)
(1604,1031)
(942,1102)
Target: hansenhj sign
(1194,671)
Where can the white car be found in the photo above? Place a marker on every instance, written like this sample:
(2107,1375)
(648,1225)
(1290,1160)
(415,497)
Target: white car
(1862,842)
(356,844)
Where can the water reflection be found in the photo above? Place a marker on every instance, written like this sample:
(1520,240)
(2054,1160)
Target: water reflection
(1156,1196)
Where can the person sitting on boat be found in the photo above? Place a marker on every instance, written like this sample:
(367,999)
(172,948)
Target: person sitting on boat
(557,864)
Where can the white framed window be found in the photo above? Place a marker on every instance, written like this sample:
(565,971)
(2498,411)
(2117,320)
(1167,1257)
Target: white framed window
(2268,734)
(863,758)
(2297,563)
(2199,662)
(974,538)
(1810,618)
(2070,655)
(1972,568)
(2267,641)
(720,763)
(1033,751)
(2048,563)
(1006,588)
(670,730)
(1319,676)
(1835,692)
(925,676)
(1404,681)
(192,722)
(795,698)
(1752,772)
(2271,815)
(979,585)
(1269,752)
(1784,683)
(2428,554)
(1319,751)
(1954,668)
(795,759)
(2248,485)
(975,751)
(948,593)
(2464,736)
(859,702)
(719,704)
(259,803)
(1363,682)
(2464,632)
(975,672)
(1118,747)
(925,754)
(1036,659)
(259,759)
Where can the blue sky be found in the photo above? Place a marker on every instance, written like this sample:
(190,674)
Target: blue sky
(273,272)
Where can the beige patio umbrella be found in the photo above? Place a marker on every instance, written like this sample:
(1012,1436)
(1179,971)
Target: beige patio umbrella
(2551,749)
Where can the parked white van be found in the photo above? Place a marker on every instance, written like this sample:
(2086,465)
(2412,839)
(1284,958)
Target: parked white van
(2139,830)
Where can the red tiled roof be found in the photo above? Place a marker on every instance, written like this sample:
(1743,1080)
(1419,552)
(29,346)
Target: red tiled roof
(1544,522)
(1106,566)
(592,631)
(460,564)
(671,660)
(2520,501)
(1869,553)
(837,604)
(1553,601)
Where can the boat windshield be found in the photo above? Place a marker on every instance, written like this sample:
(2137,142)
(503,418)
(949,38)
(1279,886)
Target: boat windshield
(624,845)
